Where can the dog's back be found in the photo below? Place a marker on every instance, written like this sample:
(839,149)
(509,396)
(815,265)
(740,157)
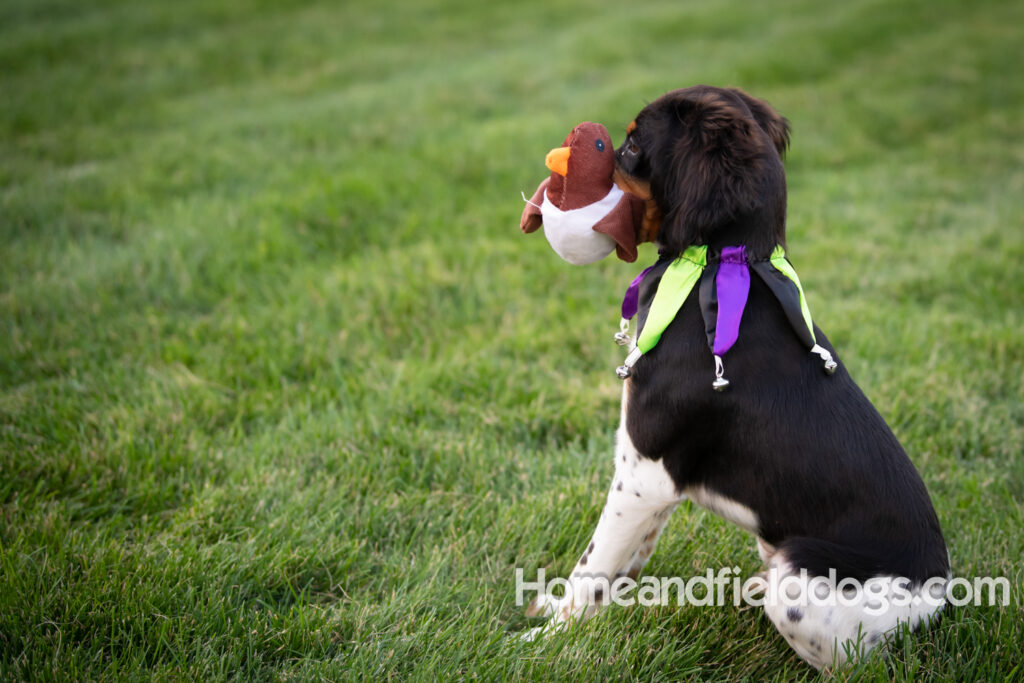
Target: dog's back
(805,451)
(803,460)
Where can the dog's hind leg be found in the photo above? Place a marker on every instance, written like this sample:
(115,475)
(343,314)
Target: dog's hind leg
(641,499)
(828,623)
(766,550)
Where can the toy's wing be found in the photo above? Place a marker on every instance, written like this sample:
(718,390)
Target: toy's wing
(623,224)
(531,218)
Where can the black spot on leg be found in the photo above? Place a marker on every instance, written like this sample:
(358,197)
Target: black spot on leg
(874,638)
(598,594)
(590,548)
(619,486)
(623,458)
(637,494)
(583,560)
(618,513)
(794,615)
(813,642)
(791,635)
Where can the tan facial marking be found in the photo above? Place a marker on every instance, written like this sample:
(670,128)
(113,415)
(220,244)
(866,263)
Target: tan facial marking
(651,223)
(628,183)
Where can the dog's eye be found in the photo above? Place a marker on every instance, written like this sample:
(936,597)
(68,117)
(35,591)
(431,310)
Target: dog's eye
(600,145)
(629,147)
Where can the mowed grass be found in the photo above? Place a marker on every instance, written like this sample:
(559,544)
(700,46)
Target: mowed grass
(284,394)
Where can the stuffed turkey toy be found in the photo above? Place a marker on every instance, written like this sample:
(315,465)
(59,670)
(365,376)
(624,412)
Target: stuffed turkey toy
(584,214)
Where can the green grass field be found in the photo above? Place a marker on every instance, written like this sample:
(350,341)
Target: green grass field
(285,394)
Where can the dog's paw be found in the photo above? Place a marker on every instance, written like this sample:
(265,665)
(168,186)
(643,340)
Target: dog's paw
(541,632)
(544,605)
(532,634)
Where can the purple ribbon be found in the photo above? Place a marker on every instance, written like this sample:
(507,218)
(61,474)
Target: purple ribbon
(631,301)
(732,285)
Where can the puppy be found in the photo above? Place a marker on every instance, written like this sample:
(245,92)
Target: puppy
(798,457)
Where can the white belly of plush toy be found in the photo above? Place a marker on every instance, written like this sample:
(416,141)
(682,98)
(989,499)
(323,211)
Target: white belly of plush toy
(571,233)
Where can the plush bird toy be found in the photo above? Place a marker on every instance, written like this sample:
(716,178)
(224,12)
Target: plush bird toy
(585,215)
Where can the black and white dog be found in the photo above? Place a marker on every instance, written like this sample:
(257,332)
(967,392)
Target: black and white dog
(798,457)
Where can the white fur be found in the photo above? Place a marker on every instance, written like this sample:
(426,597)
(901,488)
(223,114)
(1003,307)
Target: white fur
(829,632)
(640,501)
(724,507)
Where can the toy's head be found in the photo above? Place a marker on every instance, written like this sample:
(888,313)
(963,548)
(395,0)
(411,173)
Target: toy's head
(581,169)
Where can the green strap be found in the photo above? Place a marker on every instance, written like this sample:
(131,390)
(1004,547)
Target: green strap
(781,264)
(676,284)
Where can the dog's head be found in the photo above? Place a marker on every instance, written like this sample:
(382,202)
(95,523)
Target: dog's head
(709,162)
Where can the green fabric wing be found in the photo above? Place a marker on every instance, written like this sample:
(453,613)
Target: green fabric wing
(783,265)
(676,284)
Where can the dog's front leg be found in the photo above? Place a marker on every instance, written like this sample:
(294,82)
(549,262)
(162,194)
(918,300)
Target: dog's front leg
(639,502)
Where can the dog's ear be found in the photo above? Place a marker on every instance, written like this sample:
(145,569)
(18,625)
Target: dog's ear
(710,176)
(722,165)
(723,127)
(776,126)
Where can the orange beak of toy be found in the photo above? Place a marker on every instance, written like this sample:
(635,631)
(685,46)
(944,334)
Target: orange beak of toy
(558,160)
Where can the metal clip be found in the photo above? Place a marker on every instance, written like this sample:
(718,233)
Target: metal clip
(622,337)
(720,383)
(626,369)
(830,363)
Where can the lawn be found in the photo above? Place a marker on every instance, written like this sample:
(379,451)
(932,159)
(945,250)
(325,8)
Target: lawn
(285,394)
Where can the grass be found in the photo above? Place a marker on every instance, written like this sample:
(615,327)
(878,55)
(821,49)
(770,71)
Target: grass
(284,394)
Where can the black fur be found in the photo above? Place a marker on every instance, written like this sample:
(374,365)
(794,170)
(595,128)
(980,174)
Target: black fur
(712,158)
(807,452)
